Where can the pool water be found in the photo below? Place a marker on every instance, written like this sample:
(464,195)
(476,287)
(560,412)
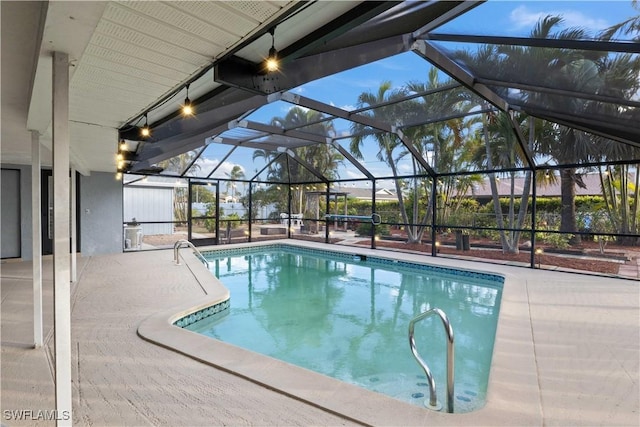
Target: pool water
(348,319)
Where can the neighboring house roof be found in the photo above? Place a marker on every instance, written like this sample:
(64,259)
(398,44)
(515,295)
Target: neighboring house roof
(545,188)
(359,193)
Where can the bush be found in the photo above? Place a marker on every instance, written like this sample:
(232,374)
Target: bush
(556,240)
(364,229)
(234,220)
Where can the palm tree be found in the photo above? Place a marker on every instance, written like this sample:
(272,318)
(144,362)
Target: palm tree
(621,183)
(236,174)
(628,27)
(321,157)
(450,141)
(388,143)
(557,68)
(177,165)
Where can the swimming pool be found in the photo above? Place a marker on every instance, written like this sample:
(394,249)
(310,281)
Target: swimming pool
(347,318)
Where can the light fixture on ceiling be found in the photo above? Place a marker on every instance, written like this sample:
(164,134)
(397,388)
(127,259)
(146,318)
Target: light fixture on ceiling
(271,63)
(145,131)
(187,107)
(120,158)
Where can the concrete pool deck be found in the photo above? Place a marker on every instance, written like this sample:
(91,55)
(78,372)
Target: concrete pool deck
(567,352)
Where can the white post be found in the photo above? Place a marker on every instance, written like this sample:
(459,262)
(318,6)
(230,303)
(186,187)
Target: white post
(61,274)
(74,240)
(36,241)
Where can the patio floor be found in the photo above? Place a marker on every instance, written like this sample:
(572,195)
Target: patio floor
(567,353)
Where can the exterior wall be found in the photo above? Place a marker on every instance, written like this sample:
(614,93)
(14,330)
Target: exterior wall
(100,214)
(25,209)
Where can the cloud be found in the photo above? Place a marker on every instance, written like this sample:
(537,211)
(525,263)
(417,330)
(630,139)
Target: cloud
(351,174)
(207,165)
(522,17)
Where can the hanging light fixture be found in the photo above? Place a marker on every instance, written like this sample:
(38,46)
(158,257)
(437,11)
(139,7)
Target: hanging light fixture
(272,63)
(187,107)
(145,131)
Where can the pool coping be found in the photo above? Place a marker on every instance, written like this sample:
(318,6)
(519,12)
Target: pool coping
(513,395)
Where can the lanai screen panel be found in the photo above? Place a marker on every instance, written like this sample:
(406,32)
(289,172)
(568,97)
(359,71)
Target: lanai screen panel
(248,161)
(210,159)
(584,88)
(369,154)
(322,159)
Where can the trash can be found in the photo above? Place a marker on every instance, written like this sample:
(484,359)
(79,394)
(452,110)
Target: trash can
(462,241)
(134,236)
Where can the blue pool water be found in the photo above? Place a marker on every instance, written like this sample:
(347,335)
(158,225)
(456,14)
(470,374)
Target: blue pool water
(348,318)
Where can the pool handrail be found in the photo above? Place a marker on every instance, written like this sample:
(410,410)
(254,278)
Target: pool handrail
(179,244)
(433,397)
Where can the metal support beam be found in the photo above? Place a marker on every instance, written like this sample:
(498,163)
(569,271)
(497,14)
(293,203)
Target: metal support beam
(250,210)
(224,159)
(357,118)
(308,166)
(253,178)
(440,60)
(561,92)
(590,45)
(521,141)
(590,125)
(446,17)
(36,242)
(373,210)
(61,274)
(294,134)
(347,155)
(240,73)
(416,155)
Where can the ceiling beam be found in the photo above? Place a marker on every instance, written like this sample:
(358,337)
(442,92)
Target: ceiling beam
(458,10)
(440,60)
(357,118)
(561,92)
(241,73)
(590,45)
(586,126)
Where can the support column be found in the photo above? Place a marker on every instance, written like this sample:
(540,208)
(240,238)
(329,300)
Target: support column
(74,219)
(61,261)
(36,242)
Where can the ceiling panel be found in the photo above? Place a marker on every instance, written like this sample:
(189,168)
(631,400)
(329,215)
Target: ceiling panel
(148,55)
(135,37)
(172,17)
(129,18)
(259,10)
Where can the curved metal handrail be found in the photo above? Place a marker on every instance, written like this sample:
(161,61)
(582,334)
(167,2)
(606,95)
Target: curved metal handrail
(433,397)
(179,244)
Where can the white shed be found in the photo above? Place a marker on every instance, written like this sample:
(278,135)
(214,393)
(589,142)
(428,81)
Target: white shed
(149,202)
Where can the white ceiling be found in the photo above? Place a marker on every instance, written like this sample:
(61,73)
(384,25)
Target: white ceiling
(124,57)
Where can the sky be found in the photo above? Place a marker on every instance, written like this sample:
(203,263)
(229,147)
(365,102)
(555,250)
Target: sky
(498,18)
